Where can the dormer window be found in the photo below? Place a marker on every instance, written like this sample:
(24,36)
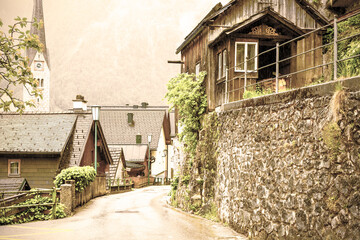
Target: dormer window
(243,51)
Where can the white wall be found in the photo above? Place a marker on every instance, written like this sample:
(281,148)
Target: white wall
(159,165)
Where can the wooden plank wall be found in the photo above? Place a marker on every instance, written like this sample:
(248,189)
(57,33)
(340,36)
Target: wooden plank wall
(244,9)
(308,60)
(39,172)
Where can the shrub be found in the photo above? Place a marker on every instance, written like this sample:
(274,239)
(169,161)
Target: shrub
(83,176)
(34,213)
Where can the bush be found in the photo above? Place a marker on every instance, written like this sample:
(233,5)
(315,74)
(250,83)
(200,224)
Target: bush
(83,176)
(34,213)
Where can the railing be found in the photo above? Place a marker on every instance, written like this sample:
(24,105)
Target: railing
(268,83)
(120,184)
(9,205)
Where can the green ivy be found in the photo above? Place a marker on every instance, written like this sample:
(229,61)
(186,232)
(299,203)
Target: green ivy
(34,213)
(348,47)
(83,176)
(187,95)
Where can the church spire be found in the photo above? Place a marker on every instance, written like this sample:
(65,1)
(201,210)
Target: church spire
(39,15)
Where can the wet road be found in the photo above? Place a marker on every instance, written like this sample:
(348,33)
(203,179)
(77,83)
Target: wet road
(141,214)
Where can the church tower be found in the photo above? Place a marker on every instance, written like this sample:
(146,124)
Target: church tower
(40,64)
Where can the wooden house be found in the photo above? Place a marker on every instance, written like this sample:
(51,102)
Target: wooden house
(242,29)
(37,146)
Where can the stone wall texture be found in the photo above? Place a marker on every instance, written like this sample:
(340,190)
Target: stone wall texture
(288,165)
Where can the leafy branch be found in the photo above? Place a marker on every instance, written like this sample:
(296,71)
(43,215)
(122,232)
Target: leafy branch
(14,66)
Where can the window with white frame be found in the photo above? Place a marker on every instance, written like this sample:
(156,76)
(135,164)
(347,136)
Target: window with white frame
(222,64)
(219,65)
(197,69)
(243,51)
(14,167)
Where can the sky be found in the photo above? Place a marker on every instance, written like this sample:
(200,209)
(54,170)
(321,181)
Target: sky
(113,52)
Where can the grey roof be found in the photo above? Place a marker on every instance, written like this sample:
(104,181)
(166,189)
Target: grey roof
(35,133)
(115,152)
(81,134)
(39,15)
(118,131)
(135,153)
(13,184)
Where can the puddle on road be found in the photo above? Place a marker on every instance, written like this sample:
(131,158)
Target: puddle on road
(127,211)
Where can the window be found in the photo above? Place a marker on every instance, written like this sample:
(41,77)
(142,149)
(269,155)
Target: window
(245,50)
(138,139)
(222,63)
(219,65)
(42,83)
(197,69)
(14,167)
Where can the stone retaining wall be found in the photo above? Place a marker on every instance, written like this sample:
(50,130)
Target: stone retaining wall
(289,164)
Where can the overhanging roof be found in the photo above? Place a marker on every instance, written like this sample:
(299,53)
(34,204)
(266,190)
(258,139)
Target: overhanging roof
(268,12)
(218,9)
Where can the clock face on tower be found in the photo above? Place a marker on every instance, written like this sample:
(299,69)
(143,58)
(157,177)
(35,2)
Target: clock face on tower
(39,66)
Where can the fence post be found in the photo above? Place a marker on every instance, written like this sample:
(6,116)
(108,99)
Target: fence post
(277,67)
(54,203)
(335,48)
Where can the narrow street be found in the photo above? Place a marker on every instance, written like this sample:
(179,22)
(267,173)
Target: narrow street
(140,214)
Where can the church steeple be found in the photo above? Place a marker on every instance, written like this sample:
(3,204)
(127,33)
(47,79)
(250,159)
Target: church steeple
(39,64)
(39,15)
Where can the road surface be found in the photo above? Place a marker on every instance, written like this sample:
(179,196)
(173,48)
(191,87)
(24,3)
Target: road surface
(141,214)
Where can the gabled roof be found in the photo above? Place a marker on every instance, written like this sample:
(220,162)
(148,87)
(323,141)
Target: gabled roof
(13,184)
(83,127)
(116,167)
(259,17)
(216,11)
(199,27)
(118,131)
(34,133)
(81,134)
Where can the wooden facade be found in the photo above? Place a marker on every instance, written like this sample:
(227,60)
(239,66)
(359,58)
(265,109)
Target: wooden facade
(39,171)
(219,40)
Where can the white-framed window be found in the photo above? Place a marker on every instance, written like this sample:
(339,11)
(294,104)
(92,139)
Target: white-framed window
(222,64)
(219,65)
(197,69)
(245,50)
(14,167)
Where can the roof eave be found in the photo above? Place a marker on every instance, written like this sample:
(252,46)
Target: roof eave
(315,14)
(199,27)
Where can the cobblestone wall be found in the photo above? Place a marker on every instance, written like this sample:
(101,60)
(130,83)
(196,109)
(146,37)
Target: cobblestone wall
(289,165)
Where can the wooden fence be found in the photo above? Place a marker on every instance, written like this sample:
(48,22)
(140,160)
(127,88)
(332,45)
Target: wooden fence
(9,205)
(95,189)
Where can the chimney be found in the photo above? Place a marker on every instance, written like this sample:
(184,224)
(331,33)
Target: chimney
(144,104)
(79,104)
(131,119)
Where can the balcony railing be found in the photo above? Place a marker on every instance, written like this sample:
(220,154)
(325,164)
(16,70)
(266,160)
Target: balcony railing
(283,82)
